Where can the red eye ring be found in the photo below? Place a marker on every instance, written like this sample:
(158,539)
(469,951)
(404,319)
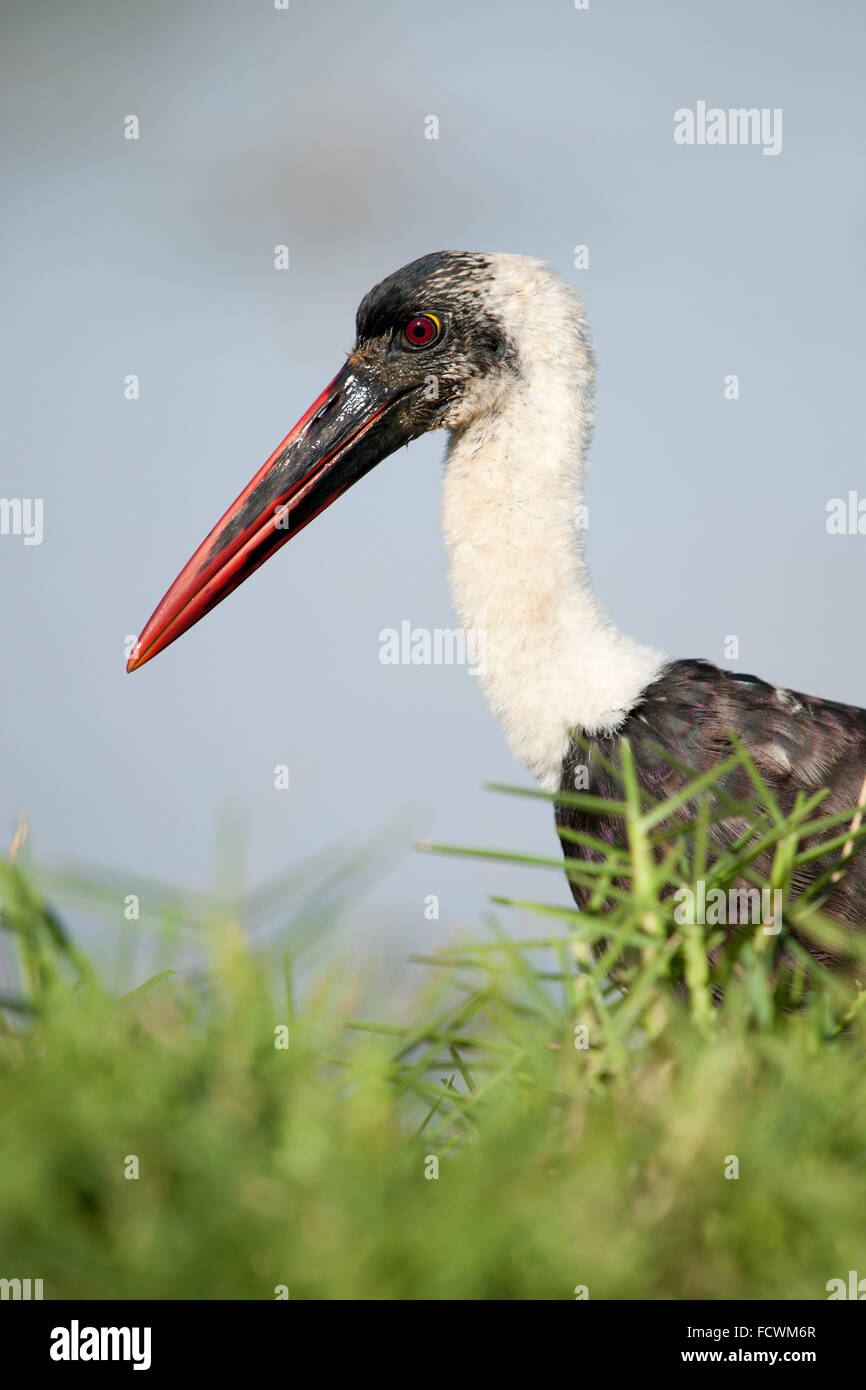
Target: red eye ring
(422,330)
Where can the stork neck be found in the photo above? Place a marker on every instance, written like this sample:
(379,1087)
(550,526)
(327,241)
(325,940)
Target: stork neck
(553,660)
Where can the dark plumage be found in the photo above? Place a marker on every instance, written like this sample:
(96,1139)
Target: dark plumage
(798,744)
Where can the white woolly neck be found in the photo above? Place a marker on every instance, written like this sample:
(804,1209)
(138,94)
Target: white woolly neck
(553,660)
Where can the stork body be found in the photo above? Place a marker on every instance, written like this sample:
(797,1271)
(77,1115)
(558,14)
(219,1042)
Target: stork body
(797,743)
(495,349)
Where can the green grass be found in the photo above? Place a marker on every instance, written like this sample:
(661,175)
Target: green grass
(558,1165)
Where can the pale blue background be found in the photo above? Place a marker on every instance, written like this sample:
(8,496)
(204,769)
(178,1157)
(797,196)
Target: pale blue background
(307,127)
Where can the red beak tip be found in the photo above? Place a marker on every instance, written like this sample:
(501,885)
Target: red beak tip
(257,523)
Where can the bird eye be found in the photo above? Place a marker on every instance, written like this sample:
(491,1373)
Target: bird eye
(422,330)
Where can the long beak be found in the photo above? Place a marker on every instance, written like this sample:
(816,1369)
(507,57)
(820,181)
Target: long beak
(356,422)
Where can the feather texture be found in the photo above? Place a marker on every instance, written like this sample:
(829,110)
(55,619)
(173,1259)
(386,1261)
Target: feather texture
(798,744)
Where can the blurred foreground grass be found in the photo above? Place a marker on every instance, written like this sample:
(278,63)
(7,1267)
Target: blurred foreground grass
(582,1133)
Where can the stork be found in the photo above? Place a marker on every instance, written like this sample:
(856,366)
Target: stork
(496,350)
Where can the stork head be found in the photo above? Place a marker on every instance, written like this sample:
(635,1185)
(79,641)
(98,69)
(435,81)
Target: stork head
(437,345)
